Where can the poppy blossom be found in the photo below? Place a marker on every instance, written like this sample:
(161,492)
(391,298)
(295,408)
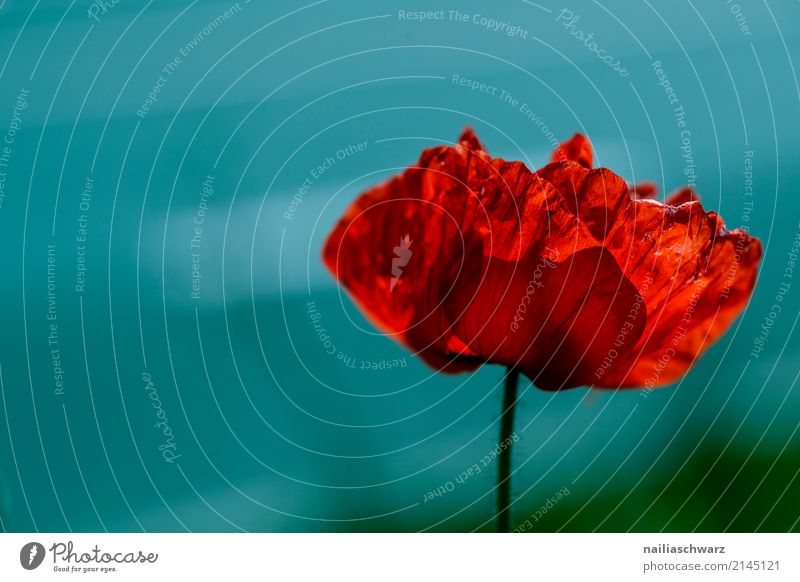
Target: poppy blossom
(568,274)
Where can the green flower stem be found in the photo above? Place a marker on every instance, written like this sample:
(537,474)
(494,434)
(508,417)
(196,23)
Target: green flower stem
(504,458)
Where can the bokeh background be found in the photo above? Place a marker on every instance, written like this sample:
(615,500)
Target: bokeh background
(113,140)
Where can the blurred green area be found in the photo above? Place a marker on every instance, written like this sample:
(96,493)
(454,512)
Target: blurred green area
(718,490)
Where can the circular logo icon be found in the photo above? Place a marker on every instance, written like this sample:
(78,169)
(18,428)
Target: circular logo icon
(31,555)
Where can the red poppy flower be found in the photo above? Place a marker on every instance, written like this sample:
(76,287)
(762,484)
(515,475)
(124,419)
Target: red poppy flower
(567,274)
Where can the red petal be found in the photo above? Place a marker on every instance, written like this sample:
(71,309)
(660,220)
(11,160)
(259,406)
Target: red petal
(555,320)
(677,256)
(470,141)
(682,196)
(460,208)
(643,190)
(701,280)
(577,149)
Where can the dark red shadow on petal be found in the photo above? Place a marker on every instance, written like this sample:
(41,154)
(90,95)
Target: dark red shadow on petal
(555,321)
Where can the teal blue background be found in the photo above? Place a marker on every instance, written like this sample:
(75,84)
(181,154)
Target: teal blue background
(274,434)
